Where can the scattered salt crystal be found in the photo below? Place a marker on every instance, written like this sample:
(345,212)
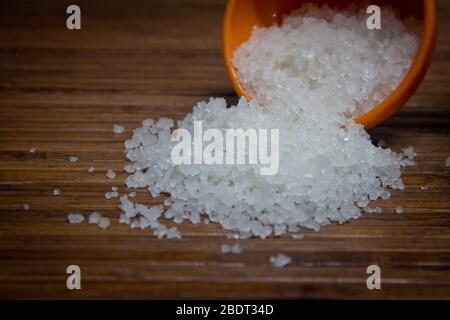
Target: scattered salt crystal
(91,169)
(26,206)
(447,162)
(32,150)
(104,222)
(56,192)
(118,128)
(132,194)
(110,174)
(280,260)
(94,218)
(73,158)
(424,187)
(236,249)
(111,194)
(399,210)
(409,153)
(75,218)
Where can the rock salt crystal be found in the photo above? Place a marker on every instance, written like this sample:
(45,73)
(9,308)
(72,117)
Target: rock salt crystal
(280,260)
(75,218)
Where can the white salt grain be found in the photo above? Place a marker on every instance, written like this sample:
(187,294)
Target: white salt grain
(118,128)
(91,169)
(110,174)
(399,210)
(447,162)
(75,218)
(423,187)
(56,192)
(235,249)
(73,158)
(94,218)
(32,150)
(104,223)
(132,194)
(26,206)
(280,260)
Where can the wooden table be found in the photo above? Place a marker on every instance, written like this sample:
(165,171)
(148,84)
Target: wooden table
(61,92)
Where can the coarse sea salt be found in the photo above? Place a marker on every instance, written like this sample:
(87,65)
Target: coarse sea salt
(56,191)
(399,210)
(72,158)
(280,260)
(94,218)
(75,218)
(110,174)
(447,162)
(236,249)
(118,128)
(104,223)
(308,77)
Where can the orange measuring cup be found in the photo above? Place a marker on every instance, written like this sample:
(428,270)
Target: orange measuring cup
(242,15)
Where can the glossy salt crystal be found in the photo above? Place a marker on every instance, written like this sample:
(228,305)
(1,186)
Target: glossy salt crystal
(104,223)
(280,260)
(75,218)
(118,128)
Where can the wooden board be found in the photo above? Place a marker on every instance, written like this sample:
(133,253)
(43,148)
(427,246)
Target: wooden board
(61,92)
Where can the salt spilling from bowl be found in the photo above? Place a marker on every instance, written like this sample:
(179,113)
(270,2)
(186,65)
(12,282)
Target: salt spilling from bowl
(307,77)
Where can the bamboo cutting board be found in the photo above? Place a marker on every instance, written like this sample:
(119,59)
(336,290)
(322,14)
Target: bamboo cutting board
(61,92)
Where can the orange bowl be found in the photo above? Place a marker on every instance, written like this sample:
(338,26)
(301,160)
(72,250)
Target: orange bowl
(242,15)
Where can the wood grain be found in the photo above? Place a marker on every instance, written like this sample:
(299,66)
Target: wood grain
(61,92)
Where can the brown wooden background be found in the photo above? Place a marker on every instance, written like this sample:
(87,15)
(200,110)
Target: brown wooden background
(61,91)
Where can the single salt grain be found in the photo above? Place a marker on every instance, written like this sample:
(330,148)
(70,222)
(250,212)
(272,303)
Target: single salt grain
(423,187)
(118,128)
(111,194)
(94,218)
(56,192)
(75,218)
(91,169)
(280,260)
(132,194)
(110,174)
(104,222)
(26,206)
(399,210)
(32,150)
(73,158)
(236,249)
(409,153)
